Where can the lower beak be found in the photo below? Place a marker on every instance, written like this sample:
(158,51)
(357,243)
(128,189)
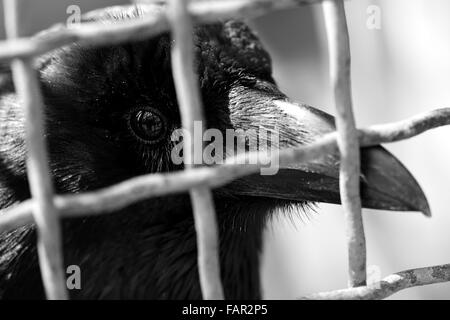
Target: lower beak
(385,183)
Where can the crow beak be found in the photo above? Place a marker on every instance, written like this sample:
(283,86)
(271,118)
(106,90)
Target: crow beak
(385,183)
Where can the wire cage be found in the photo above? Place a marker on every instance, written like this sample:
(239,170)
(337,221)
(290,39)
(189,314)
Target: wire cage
(45,208)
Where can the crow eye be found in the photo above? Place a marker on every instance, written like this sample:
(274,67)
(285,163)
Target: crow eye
(148,125)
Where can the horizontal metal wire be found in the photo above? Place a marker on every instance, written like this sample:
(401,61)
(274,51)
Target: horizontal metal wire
(151,24)
(116,197)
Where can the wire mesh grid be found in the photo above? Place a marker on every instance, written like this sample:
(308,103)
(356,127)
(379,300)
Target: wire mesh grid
(45,208)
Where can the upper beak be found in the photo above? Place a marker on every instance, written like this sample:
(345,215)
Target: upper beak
(385,183)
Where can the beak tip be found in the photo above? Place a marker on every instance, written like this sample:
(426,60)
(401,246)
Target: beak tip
(426,210)
(389,185)
(420,201)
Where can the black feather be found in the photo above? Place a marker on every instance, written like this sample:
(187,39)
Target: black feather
(147,250)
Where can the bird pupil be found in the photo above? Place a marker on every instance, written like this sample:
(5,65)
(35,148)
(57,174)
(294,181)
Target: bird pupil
(148,125)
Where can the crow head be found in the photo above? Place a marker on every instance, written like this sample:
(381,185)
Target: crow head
(110,114)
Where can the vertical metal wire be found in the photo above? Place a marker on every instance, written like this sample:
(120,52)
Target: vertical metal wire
(340,74)
(188,93)
(41,188)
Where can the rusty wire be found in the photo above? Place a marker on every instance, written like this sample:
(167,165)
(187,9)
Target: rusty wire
(350,168)
(45,209)
(45,215)
(191,109)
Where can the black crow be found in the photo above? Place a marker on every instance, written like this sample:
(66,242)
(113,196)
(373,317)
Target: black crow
(110,112)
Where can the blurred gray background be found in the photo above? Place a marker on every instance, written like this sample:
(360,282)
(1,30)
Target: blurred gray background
(399,70)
